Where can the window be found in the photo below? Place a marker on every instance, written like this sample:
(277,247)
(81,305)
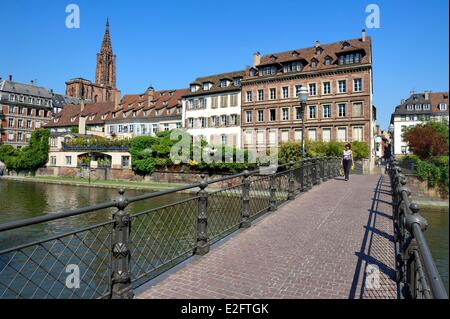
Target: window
(410,107)
(19,123)
(260,137)
(442,107)
(298,113)
(312,111)
(357,85)
(190,104)
(312,89)
(28,123)
(285,114)
(53,160)
(11,109)
(272,114)
(190,122)
(10,122)
(224,139)
(214,102)
(313,63)
(202,122)
(248,116)
(285,92)
(260,95)
(341,109)
(249,96)
(267,70)
(357,134)
(12,97)
(37,124)
(223,83)
(19,136)
(20,109)
(326,88)
(125,161)
(326,134)
(292,67)
(297,89)
(166,127)
(342,134)
(260,115)
(284,135)
(234,119)
(237,81)
(342,84)
(312,134)
(234,99)
(68,160)
(298,134)
(10,137)
(224,101)
(357,109)
(273,94)
(205,86)
(273,136)
(202,103)
(178,124)
(328,60)
(224,120)
(350,58)
(326,108)
(427,107)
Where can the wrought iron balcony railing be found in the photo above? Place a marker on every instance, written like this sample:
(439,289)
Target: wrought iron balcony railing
(126,250)
(417,273)
(95,148)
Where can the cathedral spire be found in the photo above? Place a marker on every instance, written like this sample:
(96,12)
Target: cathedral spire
(106,44)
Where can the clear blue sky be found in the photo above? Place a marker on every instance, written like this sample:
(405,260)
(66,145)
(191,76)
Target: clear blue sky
(169,43)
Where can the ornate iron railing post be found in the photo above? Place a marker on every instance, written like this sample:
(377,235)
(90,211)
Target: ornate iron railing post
(324,169)
(202,247)
(121,287)
(291,190)
(245,212)
(273,192)
(302,175)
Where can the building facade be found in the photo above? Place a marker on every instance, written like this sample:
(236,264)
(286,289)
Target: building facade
(146,114)
(338,77)
(212,109)
(104,89)
(23,108)
(417,109)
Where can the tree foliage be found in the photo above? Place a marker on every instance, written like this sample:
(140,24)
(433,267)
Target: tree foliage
(28,158)
(428,139)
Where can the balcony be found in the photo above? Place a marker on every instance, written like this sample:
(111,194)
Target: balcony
(95,148)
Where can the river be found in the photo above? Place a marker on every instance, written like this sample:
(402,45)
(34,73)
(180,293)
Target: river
(21,200)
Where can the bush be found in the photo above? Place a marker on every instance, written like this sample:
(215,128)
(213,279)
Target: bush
(434,172)
(289,151)
(428,140)
(360,150)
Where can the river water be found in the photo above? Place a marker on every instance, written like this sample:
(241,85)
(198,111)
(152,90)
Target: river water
(21,200)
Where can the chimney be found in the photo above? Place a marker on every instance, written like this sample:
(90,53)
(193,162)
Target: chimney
(317,44)
(116,100)
(427,95)
(82,105)
(402,101)
(256,58)
(363,35)
(10,77)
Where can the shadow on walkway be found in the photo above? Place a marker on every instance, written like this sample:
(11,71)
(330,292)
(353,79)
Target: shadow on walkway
(367,255)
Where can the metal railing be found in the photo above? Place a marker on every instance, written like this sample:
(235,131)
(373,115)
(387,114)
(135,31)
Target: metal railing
(126,250)
(417,273)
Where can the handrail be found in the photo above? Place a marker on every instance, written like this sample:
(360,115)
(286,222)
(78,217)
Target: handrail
(416,261)
(128,247)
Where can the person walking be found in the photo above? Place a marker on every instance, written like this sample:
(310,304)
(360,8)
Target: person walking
(347,160)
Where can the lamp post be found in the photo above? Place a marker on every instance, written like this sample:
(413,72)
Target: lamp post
(302,98)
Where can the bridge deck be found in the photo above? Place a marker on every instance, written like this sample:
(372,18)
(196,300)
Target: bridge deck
(318,245)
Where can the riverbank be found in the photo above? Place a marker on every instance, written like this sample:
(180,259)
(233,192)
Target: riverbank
(76,181)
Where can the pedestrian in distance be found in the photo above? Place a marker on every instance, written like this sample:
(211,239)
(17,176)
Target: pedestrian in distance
(347,160)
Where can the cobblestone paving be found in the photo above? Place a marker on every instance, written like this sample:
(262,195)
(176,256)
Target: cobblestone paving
(335,241)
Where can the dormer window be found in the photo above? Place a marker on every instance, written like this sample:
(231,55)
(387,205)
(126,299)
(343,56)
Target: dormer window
(194,88)
(268,70)
(426,107)
(237,81)
(319,50)
(114,115)
(328,60)
(273,57)
(294,53)
(418,107)
(157,112)
(345,44)
(206,86)
(91,118)
(223,83)
(313,63)
(72,119)
(292,67)
(125,114)
(165,103)
(252,72)
(350,58)
(145,113)
(409,107)
(134,113)
(104,117)
(442,107)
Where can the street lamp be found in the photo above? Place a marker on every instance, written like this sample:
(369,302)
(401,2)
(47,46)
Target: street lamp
(302,98)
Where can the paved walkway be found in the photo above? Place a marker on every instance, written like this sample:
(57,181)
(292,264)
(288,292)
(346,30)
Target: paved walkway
(327,243)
